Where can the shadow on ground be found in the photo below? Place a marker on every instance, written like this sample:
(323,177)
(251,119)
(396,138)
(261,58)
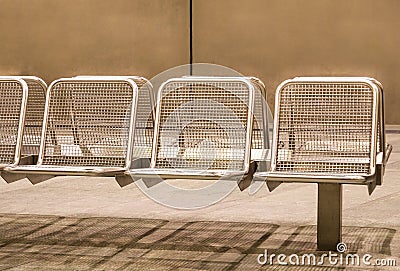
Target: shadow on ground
(33,242)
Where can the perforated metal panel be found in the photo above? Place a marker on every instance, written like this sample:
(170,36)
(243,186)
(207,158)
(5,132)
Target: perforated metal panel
(144,129)
(326,127)
(89,122)
(204,124)
(14,94)
(34,115)
(260,125)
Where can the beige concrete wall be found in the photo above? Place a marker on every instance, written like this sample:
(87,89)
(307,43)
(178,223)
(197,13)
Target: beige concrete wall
(271,39)
(56,38)
(279,39)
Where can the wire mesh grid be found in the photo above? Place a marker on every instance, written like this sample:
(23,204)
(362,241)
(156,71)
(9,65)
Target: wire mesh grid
(325,128)
(88,123)
(33,117)
(11,102)
(202,125)
(259,131)
(144,129)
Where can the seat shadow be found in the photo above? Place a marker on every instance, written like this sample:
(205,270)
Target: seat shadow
(51,242)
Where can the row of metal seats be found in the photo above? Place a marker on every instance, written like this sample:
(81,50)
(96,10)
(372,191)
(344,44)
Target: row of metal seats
(327,130)
(103,126)
(77,126)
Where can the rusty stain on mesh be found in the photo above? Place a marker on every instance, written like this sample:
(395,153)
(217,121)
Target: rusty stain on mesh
(10,112)
(202,125)
(88,123)
(33,117)
(325,128)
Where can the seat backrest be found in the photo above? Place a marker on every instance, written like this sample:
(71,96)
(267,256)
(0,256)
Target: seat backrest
(327,126)
(204,123)
(89,122)
(144,129)
(13,102)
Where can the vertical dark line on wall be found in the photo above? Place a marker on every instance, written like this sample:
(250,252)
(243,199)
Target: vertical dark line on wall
(191,36)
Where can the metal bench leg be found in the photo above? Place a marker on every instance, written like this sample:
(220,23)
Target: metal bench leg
(329,224)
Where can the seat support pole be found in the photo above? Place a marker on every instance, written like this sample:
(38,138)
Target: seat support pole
(329,224)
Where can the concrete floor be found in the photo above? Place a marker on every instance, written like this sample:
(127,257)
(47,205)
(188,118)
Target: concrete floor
(75,223)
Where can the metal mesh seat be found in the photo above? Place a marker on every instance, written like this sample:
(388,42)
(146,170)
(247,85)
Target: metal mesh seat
(89,127)
(21,118)
(328,130)
(204,128)
(14,97)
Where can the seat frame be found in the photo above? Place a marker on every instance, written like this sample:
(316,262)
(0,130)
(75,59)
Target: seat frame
(250,166)
(378,157)
(39,172)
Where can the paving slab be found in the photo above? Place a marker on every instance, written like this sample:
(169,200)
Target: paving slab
(88,223)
